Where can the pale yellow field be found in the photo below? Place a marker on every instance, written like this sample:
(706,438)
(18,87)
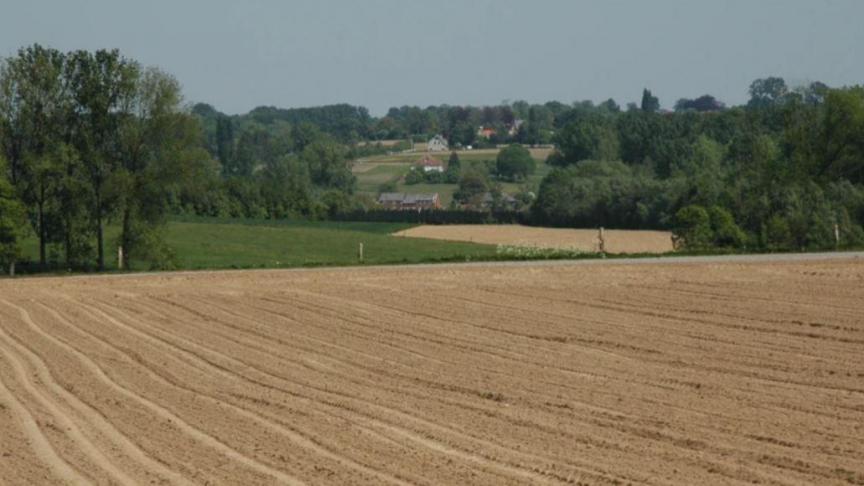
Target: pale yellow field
(617,241)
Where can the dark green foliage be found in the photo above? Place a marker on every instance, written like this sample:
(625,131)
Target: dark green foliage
(779,174)
(514,163)
(329,166)
(610,194)
(415,176)
(703,103)
(650,103)
(344,122)
(698,229)
(389,186)
(767,92)
(693,228)
(472,186)
(589,137)
(454,168)
(13,222)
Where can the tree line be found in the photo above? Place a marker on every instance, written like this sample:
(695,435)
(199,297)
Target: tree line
(785,171)
(89,139)
(92,139)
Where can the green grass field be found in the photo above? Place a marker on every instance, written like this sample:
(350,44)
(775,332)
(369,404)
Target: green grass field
(218,244)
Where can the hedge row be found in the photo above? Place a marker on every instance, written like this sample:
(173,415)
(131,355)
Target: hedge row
(434,216)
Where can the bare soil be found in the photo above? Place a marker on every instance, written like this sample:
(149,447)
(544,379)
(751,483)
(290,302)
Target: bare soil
(684,373)
(617,241)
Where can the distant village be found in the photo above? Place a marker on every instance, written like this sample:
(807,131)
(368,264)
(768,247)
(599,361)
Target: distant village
(407,201)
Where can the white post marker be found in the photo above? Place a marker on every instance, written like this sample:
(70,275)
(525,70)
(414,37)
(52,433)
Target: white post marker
(602,242)
(360,253)
(837,236)
(12,269)
(120,257)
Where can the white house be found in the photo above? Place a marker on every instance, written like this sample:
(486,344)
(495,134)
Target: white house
(437,144)
(430,164)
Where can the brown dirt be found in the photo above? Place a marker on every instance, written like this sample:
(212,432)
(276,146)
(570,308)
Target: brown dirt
(617,241)
(686,373)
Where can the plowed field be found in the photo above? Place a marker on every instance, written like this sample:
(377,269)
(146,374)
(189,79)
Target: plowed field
(684,373)
(587,240)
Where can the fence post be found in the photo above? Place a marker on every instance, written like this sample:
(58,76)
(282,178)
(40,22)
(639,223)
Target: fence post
(836,236)
(120,257)
(360,253)
(602,242)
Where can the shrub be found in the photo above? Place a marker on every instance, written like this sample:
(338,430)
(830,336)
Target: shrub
(693,228)
(726,233)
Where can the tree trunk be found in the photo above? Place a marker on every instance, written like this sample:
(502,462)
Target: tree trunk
(100,237)
(42,234)
(126,237)
(67,243)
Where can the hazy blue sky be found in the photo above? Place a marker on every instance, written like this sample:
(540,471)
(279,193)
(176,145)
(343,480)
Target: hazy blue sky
(238,54)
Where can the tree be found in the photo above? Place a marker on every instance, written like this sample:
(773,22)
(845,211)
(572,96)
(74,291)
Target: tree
(159,149)
(328,165)
(13,221)
(254,150)
(726,234)
(840,141)
(415,176)
(599,193)
(34,106)
(610,105)
(514,162)
(286,188)
(472,187)
(588,138)
(812,94)
(767,92)
(693,228)
(454,168)
(650,103)
(225,144)
(704,103)
(99,82)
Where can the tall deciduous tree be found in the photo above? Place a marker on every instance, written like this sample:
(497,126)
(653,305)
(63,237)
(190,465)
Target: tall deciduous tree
(34,106)
(12,220)
(100,82)
(767,92)
(157,145)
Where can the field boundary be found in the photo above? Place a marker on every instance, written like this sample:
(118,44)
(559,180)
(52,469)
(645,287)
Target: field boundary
(630,260)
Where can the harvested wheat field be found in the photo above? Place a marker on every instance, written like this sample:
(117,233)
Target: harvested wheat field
(671,373)
(617,241)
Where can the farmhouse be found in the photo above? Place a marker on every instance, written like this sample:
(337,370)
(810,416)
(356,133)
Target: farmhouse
(400,201)
(437,144)
(486,132)
(430,164)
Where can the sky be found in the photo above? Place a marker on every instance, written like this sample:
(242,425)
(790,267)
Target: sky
(239,54)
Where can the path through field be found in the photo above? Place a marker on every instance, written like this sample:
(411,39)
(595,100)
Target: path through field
(685,373)
(586,240)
